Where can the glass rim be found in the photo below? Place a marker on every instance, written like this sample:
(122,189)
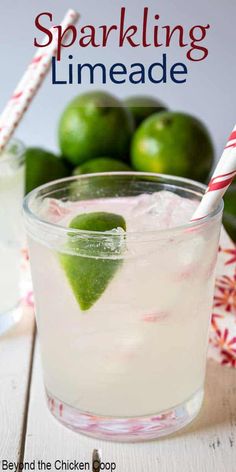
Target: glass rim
(10,156)
(33,217)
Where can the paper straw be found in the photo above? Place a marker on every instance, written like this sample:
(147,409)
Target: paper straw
(223,176)
(30,82)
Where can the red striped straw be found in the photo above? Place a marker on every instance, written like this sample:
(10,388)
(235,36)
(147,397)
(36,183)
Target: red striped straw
(30,82)
(223,176)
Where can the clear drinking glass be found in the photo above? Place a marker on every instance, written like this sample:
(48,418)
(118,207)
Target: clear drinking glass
(132,365)
(11,232)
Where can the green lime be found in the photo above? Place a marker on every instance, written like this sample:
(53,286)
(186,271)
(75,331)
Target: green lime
(229,216)
(99,186)
(42,167)
(173,143)
(142,107)
(89,275)
(101,164)
(95,124)
(230,200)
(229,222)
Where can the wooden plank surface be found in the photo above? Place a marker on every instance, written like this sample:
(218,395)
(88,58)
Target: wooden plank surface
(208,445)
(15,365)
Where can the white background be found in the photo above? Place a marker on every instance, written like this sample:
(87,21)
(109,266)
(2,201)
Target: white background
(210,89)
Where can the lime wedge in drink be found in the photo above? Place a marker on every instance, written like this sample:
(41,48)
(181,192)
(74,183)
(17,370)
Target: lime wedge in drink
(90,273)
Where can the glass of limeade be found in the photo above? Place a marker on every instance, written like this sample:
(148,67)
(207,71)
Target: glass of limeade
(12,177)
(123,285)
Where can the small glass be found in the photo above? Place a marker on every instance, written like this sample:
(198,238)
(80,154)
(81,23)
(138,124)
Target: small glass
(132,366)
(12,178)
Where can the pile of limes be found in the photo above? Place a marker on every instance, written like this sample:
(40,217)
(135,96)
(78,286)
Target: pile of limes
(98,132)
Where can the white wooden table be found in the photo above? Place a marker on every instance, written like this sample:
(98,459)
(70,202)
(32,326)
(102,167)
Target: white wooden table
(29,433)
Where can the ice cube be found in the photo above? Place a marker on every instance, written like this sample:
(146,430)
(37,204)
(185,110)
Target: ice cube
(193,251)
(160,210)
(52,210)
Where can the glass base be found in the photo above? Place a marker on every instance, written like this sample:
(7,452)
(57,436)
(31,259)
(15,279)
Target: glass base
(10,318)
(127,429)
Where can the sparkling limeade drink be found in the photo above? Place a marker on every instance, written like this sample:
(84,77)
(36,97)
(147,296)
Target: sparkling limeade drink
(11,195)
(123,314)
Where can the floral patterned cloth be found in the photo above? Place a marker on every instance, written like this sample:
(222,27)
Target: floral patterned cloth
(223,322)
(222,344)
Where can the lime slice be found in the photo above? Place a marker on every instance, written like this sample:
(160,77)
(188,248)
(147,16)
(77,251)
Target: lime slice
(90,274)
